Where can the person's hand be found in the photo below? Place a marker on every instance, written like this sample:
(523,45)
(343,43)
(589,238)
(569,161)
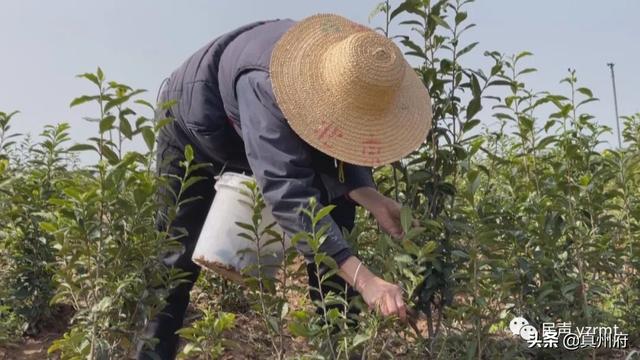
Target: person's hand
(385,210)
(387,213)
(377,293)
(384,297)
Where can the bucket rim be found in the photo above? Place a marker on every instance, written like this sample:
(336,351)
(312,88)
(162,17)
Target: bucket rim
(233,180)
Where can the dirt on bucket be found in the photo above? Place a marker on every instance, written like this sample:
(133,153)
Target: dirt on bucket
(226,271)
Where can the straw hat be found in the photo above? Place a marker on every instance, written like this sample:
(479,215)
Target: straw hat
(348,91)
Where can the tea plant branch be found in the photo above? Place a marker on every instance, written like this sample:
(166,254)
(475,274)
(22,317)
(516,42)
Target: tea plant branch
(272,309)
(315,237)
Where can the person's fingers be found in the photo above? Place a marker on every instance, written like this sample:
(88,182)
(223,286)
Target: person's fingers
(384,309)
(379,308)
(392,228)
(395,229)
(395,214)
(397,224)
(378,305)
(402,307)
(390,302)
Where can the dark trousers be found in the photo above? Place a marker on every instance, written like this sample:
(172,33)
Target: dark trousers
(191,217)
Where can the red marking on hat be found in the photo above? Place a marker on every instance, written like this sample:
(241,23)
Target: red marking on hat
(326,131)
(372,148)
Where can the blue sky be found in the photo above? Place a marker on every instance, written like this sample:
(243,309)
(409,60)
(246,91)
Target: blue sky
(44,44)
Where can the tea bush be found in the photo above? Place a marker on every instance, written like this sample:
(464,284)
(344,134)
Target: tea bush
(512,207)
(27,252)
(108,248)
(204,336)
(268,295)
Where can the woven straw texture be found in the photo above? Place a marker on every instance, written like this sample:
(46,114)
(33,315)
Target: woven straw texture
(348,91)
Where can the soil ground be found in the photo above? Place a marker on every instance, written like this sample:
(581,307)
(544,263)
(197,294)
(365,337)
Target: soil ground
(248,340)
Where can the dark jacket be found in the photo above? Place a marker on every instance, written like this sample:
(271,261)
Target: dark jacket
(226,105)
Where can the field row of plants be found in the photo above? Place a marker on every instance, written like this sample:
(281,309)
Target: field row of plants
(512,207)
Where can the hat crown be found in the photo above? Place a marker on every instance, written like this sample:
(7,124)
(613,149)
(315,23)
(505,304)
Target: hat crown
(348,91)
(364,70)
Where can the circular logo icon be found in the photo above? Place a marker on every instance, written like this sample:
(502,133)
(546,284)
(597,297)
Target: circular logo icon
(529,333)
(516,325)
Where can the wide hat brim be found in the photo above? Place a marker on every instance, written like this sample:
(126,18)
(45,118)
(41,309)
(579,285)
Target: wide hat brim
(326,121)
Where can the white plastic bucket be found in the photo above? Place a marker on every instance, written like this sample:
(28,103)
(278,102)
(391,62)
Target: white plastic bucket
(221,249)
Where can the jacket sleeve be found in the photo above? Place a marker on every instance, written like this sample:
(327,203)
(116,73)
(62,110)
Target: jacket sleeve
(281,163)
(354,177)
(358,176)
